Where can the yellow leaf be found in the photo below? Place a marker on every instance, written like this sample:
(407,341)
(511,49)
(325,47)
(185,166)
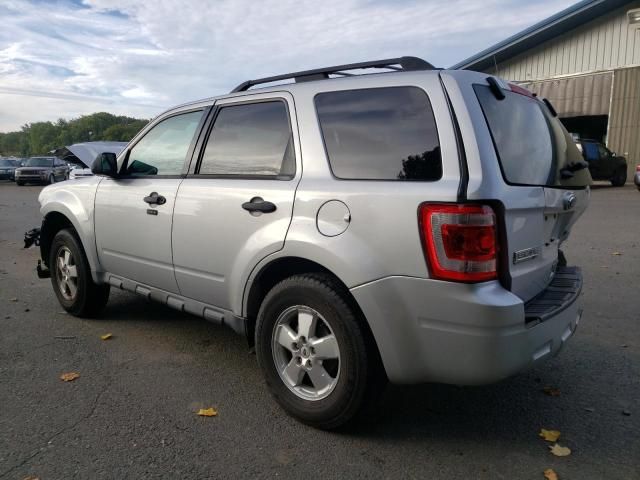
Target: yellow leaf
(69,377)
(106,336)
(552,392)
(207,412)
(549,435)
(30,477)
(559,451)
(616,253)
(549,474)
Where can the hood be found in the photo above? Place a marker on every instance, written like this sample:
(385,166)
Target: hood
(85,153)
(32,169)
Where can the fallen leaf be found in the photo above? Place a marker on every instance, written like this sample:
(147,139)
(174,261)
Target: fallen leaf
(626,413)
(549,474)
(106,336)
(616,253)
(69,377)
(549,435)
(207,412)
(30,477)
(14,299)
(552,392)
(559,451)
(590,409)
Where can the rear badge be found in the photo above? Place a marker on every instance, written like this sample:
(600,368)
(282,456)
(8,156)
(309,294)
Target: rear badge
(524,255)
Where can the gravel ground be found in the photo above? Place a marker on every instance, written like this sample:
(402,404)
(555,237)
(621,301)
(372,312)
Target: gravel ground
(131,414)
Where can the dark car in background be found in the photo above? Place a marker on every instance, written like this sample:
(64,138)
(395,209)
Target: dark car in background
(603,163)
(42,170)
(8,168)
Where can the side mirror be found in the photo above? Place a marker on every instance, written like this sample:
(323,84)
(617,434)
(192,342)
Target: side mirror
(105,164)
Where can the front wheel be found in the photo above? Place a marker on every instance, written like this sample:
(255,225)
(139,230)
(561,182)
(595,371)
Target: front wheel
(19,183)
(314,353)
(71,277)
(52,179)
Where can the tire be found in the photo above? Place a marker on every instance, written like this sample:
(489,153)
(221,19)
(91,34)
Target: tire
(19,183)
(78,294)
(354,377)
(620,178)
(52,179)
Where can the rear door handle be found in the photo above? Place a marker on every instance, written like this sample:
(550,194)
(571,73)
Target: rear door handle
(257,204)
(155,199)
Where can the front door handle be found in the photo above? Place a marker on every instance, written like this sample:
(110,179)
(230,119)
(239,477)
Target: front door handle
(155,199)
(257,204)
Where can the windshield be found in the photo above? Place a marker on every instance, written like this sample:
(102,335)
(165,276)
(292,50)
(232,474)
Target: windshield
(39,162)
(532,145)
(7,163)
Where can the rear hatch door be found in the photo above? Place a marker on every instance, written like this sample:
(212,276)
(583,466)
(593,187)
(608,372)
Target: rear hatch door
(545,183)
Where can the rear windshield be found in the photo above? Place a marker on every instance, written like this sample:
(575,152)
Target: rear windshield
(380,134)
(531,144)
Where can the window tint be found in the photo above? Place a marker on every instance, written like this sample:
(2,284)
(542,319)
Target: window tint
(163,149)
(251,139)
(591,151)
(521,135)
(380,134)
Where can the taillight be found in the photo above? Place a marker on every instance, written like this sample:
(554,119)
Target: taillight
(460,241)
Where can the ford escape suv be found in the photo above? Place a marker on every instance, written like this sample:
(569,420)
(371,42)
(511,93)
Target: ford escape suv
(402,225)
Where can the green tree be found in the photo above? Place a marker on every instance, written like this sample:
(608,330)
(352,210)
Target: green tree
(41,137)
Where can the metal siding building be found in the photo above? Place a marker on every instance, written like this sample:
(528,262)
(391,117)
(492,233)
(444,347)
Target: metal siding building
(586,61)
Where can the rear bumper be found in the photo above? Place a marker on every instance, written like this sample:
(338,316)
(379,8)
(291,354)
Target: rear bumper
(465,334)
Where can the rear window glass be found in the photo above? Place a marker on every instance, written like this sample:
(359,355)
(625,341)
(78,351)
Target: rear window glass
(380,134)
(522,137)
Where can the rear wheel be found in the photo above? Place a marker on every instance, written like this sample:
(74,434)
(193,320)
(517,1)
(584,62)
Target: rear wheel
(313,352)
(71,277)
(620,178)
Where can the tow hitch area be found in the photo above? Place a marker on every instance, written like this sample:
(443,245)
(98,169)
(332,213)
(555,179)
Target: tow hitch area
(32,237)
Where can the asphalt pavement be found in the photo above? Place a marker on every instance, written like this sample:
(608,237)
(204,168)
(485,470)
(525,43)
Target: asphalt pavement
(132,411)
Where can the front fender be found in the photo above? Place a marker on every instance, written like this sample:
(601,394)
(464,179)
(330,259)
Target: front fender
(75,200)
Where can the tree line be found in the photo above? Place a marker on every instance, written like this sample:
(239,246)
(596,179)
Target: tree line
(41,137)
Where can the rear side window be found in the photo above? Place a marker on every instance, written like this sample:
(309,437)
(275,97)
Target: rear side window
(380,134)
(590,151)
(522,137)
(249,140)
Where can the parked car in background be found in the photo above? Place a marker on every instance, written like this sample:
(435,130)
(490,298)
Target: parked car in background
(42,170)
(603,163)
(392,254)
(8,168)
(636,178)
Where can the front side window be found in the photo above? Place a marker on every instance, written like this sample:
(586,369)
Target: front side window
(250,139)
(591,151)
(163,149)
(380,134)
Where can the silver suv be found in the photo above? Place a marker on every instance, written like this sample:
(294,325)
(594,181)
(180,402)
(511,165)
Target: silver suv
(402,225)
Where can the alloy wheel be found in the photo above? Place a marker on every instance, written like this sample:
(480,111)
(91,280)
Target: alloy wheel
(67,273)
(306,353)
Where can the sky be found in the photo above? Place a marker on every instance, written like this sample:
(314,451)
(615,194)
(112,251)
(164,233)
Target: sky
(66,58)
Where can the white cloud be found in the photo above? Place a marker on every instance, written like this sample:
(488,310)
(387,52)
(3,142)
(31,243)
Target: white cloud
(64,59)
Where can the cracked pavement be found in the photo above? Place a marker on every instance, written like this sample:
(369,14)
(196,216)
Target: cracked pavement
(131,414)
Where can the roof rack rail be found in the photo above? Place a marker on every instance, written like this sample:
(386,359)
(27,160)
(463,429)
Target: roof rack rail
(401,64)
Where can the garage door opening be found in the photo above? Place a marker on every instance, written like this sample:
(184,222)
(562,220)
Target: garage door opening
(589,126)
